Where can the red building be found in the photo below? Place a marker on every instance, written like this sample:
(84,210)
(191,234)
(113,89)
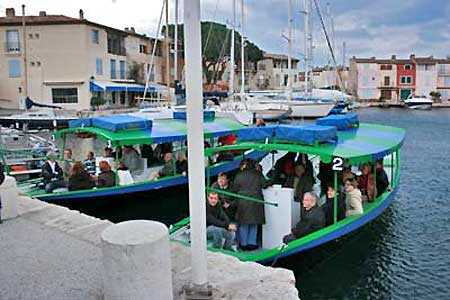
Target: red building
(406,78)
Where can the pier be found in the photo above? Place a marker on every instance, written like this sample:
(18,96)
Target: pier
(51,252)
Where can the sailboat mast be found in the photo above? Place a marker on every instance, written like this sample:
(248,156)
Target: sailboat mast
(307,11)
(231,87)
(242,52)
(175,52)
(289,83)
(167,46)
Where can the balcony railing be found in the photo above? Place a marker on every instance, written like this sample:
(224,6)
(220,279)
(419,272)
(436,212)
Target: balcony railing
(12,47)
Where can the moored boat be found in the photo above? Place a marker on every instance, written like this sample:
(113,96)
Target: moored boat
(337,141)
(126,130)
(418,102)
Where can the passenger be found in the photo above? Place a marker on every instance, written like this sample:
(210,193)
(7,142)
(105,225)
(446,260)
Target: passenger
(167,170)
(132,160)
(52,173)
(80,179)
(108,152)
(325,176)
(364,181)
(347,174)
(284,168)
(302,183)
(147,153)
(304,160)
(381,178)
(353,200)
(328,206)
(249,214)
(181,164)
(228,202)
(260,123)
(107,177)
(313,219)
(224,141)
(67,163)
(161,150)
(219,228)
(89,163)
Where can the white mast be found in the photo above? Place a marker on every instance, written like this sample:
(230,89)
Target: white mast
(242,53)
(175,50)
(196,168)
(231,87)
(289,83)
(167,46)
(308,39)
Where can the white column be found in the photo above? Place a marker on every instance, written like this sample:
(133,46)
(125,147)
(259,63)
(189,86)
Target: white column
(136,261)
(196,168)
(307,40)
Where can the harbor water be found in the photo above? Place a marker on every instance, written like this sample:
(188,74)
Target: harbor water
(404,254)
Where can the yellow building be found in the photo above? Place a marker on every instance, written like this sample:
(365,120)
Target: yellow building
(66,61)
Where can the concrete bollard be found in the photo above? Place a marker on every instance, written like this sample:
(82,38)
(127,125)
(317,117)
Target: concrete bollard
(136,261)
(9,195)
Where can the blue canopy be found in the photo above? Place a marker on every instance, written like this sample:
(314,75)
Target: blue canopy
(110,86)
(340,121)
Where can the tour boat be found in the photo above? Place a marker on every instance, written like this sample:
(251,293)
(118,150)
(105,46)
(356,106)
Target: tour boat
(337,140)
(119,130)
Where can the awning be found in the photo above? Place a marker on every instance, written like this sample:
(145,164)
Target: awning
(111,86)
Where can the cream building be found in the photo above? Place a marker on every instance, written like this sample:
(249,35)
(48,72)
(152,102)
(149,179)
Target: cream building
(272,72)
(65,61)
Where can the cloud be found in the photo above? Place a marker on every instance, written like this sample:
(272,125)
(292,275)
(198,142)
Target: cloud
(376,28)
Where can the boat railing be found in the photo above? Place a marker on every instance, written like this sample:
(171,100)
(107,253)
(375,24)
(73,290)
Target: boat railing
(28,161)
(246,198)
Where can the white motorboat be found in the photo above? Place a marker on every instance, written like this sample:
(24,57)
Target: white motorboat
(418,102)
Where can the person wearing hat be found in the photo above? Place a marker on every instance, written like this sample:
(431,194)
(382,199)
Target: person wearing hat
(52,174)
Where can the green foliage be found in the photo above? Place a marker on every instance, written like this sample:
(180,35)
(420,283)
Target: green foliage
(136,72)
(436,96)
(97,101)
(216,43)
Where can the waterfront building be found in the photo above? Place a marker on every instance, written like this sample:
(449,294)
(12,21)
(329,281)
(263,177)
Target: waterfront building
(327,77)
(272,72)
(394,79)
(55,59)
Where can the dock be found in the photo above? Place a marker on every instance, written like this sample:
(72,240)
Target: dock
(50,252)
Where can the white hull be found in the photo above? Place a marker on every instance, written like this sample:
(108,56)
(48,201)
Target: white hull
(424,106)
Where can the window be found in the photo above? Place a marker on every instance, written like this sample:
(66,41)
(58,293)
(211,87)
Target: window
(12,41)
(443,69)
(14,68)
(386,80)
(113,68)
(116,44)
(65,95)
(122,69)
(152,74)
(94,36)
(446,80)
(38,63)
(408,67)
(406,79)
(30,35)
(36,35)
(143,49)
(99,66)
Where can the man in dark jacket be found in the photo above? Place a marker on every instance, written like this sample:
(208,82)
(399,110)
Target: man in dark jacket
(313,219)
(382,179)
(52,174)
(328,206)
(249,214)
(2,178)
(218,224)
(228,202)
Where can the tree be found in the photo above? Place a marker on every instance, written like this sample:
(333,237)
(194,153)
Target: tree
(216,43)
(136,72)
(436,96)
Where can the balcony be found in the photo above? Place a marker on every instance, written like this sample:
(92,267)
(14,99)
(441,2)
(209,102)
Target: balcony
(12,47)
(389,86)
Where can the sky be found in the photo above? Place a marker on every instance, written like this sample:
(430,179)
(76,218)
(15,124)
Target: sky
(369,28)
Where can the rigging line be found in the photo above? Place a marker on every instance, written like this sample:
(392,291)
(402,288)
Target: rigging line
(210,28)
(327,38)
(221,56)
(150,69)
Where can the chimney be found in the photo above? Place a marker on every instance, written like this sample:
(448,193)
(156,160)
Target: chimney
(132,30)
(394,57)
(412,56)
(81,14)
(42,13)
(10,12)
